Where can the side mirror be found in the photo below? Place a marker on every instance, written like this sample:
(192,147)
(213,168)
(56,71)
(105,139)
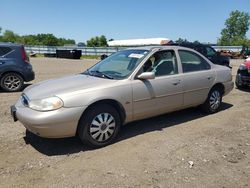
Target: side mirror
(146,76)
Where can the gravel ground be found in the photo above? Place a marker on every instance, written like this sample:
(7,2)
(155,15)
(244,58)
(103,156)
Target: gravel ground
(180,149)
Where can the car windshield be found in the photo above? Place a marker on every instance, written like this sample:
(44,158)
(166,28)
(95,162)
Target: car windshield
(118,65)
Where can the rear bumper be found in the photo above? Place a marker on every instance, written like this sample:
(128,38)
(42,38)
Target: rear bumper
(29,76)
(228,86)
(28,72)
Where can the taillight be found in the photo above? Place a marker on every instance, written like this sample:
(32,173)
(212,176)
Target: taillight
(24,55)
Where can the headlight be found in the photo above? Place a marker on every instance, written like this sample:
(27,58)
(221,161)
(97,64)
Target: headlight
(243,67)
(47,104)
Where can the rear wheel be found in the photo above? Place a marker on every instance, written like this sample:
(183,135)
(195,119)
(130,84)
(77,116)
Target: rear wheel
(99,126)
(213,102)
(12,82)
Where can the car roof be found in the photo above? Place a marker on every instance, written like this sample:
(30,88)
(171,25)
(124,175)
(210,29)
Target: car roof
(167,47)
(190,44)
(9,44)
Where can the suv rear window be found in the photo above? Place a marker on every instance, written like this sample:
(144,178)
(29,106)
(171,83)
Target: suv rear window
(4,50)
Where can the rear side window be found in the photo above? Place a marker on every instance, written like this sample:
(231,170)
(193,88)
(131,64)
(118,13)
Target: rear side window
(192,62)
(4,50)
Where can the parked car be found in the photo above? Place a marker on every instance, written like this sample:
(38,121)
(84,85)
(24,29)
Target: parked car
(245,51)
(15,68)
(129,85)
(243,75)
(208,52)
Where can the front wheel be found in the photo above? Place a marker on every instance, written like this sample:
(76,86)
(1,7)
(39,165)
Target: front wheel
(99,126)
(213,102)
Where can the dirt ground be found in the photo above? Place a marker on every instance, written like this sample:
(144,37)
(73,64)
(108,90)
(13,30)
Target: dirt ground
(181,149)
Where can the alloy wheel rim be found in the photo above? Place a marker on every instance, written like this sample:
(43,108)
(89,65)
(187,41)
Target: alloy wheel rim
(12,82)
(102,127)
(215,100)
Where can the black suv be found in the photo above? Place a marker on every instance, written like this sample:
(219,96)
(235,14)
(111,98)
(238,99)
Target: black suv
(207,51)
(15,68)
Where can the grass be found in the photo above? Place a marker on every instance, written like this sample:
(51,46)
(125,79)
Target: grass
(90,57)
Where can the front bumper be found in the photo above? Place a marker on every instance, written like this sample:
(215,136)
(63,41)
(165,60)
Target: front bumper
(51,124)
(242,80)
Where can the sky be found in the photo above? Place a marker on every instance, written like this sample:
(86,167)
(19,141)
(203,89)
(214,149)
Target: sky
(200,20)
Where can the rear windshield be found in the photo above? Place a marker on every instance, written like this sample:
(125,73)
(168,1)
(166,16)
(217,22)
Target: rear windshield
(4,50)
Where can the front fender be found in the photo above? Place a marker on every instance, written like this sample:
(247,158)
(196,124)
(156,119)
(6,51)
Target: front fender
(120,93)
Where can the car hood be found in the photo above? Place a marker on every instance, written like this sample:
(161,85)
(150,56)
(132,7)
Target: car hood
(65,85)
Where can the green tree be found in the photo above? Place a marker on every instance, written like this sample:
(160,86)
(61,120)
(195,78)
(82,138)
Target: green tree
(236,28)
(181,40)
(10,36)
(97,41)
(47,39)
(63,41)
(103,41)
(30,40)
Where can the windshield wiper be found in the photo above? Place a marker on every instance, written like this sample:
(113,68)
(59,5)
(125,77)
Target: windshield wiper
(99,74)
(103,75)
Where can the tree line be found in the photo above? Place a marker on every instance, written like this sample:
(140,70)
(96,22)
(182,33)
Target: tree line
(234,34)
(39,39)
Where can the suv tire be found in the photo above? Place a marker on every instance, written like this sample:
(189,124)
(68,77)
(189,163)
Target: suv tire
(12,82)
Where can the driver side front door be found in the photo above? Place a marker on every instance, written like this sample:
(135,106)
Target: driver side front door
(160,95)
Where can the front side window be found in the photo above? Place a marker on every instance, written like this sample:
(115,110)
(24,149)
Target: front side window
(192,62)
(163,63)
(119,65)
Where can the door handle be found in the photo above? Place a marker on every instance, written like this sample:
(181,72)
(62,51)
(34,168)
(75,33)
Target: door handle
(209,77)
(1,63)
(177,82)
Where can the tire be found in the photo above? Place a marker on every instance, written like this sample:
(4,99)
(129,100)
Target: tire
(12,82)
(238,85)
(93,132)
(213,101)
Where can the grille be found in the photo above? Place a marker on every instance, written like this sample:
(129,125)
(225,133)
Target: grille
(244,72)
